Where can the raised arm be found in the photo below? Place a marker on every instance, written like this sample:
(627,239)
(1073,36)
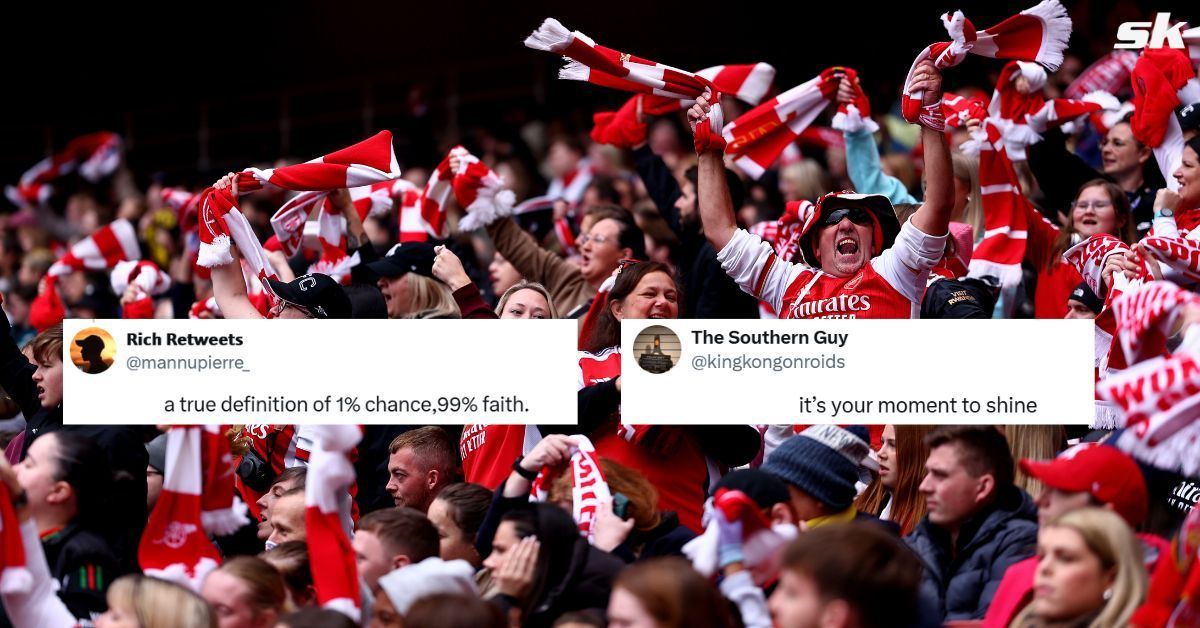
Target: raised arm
(862,156)
(229,285)
(716,206)
(933,217)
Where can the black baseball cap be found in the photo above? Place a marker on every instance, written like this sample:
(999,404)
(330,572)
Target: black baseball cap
(318,294)
(403,258)
(765,489)
(1189,117)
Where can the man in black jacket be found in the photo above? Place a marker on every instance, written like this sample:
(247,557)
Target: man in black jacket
(978,522)
(708,292)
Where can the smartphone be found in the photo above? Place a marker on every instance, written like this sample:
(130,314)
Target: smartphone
(621,506)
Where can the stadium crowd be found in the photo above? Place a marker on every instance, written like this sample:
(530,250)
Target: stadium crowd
(1069,188)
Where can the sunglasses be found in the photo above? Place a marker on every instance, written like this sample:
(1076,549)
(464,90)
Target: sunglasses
(857,215)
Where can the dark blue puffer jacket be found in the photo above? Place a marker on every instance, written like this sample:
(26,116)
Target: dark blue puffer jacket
(961,583)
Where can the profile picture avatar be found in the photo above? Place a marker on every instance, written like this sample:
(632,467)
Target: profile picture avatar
(93,350)
(657,349)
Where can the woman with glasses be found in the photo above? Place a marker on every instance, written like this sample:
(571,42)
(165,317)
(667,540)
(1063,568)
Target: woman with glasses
(1100,206)
(1123,160)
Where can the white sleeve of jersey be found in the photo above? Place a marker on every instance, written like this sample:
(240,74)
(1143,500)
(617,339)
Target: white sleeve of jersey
(747,256)
(906,264)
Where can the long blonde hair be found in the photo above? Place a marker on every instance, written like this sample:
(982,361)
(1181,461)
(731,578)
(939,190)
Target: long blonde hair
(1036,442)
(430,298)
(966,168)
(159,603)
(1112,541)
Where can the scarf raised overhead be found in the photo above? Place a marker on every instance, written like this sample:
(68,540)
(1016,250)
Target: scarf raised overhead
(1039,33)
(221,223)
(588,486)
(94,156)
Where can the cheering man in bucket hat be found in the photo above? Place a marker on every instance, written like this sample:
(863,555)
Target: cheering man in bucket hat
(858,261)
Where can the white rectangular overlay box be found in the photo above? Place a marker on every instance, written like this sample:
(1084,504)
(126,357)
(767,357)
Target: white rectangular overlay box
(858,371)
(319,371)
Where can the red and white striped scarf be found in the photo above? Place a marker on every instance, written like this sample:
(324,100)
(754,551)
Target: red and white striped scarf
(291,224)
(326,514)
(588,486)
(480,192)
(95,156)
(1145,316)
(14,575)
(566,236)
(1039,33)
(222,223)
(856,115)
(174,545)
(112,243)
(1057,112)
(1026,130)
(784,234)
(410,225)
(1180,254)
(1088,258)
(1160,401)
(1010,104)
(220,514)
(959,109)
(144,274)
(290,220)
(148,281)
(207,306)
(436,196)
(596,64)
(758,137)
(1005,211)
(1109,73)
(748,83)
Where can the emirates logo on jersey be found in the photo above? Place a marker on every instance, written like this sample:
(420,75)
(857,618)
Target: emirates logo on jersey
(841,306)
(176,534)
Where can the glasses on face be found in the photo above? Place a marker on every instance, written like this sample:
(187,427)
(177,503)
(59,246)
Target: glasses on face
(857,215)
(597,239)
(1092,204)
(281,305)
